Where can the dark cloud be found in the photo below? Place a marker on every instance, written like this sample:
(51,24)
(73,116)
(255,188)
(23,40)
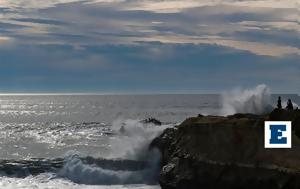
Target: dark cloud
(10,26)
(109,47)
(41,21)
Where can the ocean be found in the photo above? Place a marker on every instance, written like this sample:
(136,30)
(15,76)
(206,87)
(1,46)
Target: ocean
(93,141)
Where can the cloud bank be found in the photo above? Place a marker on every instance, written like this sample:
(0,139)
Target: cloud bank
(73,38)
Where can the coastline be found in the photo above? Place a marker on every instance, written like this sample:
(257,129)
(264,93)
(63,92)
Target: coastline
(228,152)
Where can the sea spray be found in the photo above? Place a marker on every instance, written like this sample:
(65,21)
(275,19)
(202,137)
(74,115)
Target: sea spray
(131,143)
(133,139)
(256,101)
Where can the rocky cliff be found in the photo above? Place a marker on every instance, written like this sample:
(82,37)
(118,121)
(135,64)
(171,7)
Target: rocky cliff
(228,152)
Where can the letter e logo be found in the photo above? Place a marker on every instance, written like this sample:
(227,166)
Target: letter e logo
(278,134)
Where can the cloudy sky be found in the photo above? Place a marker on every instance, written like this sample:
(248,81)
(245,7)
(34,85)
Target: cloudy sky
(148,46)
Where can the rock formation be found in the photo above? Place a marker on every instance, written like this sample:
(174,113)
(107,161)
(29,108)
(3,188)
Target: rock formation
(214,152)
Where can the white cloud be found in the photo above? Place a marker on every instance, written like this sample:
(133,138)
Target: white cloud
(31,4)
(127,21)
(153,5)
(268,3)
(38,4)
(4,39)
(172,6)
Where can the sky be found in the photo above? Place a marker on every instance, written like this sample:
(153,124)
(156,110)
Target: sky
(149,46)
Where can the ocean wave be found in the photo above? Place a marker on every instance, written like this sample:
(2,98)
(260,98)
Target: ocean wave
(130,161)
(85,170)
(45,181)
(111,172)
(256,101)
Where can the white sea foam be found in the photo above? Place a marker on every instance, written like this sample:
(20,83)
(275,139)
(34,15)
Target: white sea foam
(79,172)
(133,139)
(255,101)
(45,181)
(131,142)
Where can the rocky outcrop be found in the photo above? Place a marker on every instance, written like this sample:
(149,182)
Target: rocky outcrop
(151,120)
(228,152)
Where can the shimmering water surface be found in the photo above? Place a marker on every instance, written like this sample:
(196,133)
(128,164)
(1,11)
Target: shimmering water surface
(50,126)
(78,128)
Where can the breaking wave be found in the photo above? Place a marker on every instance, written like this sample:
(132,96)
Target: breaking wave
(129,162)
(87,170)
(118,172)
(256,101)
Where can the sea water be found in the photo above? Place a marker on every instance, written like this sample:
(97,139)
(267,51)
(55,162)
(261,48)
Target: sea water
(90,141)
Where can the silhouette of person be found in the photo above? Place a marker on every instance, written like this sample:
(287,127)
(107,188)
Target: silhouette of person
(279,106)
(289,105)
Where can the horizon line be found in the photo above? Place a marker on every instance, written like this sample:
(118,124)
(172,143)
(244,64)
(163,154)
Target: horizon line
(111,93)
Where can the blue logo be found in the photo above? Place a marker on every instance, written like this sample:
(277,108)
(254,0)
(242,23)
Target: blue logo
(278,134)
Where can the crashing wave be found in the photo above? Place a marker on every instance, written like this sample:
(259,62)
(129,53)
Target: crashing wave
(85,170)
(256,101)
(130,161)
(110,172)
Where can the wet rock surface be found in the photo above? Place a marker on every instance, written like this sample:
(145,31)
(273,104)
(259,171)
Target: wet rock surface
(228,152)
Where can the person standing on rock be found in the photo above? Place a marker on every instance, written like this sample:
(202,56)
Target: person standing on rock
(279,106)
(289,105)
